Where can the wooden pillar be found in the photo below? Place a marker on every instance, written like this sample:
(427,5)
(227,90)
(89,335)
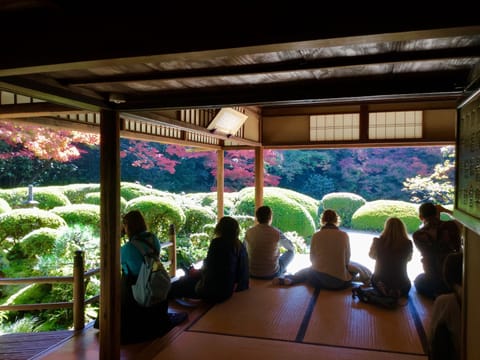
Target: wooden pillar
(364,123)
(259,173)
(110,235)
(172,250)
(78,291)
(220,182)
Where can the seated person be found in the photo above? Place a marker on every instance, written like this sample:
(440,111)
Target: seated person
(445,327)
(224,271)
(140,323)
(435,240)
(392,250)
(330,257)
(264,243)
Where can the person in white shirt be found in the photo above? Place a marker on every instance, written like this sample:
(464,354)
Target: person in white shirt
(264,243)
(330,257)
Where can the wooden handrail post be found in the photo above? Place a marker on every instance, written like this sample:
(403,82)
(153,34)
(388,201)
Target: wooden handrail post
(172,250)
(78,291)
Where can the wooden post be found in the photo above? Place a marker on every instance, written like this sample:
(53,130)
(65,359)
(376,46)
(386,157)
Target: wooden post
(259,175)
(172,250)
(220,183)
(110,304)
(78,291)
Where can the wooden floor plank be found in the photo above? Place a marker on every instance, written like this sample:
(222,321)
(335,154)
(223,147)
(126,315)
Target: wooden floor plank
(23,346)
(339,320)
(264,312)
(268,321)
(203,346)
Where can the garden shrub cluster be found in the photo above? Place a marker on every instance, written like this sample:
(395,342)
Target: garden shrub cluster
(372,215)
(288,215)
(345,204)
(84,214)
(159,213)
(17,223)
(4,206)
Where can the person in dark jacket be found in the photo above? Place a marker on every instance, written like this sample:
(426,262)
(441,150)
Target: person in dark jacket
(435,240)
(224,270)
(445,335)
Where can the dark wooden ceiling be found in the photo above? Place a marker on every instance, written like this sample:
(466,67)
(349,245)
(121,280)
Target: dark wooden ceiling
(135,58)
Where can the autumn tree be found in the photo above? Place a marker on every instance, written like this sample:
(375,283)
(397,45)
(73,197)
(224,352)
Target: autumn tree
(31,154)
(437,186)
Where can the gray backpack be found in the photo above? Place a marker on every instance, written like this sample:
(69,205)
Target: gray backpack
(153,282)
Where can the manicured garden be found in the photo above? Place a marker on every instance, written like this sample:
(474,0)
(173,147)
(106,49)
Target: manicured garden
(42,240)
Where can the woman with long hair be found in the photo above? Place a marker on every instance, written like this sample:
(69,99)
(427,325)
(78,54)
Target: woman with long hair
(140,323)
(224,270)
(392,250)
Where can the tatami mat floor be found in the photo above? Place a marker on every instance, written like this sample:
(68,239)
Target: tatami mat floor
(269,321)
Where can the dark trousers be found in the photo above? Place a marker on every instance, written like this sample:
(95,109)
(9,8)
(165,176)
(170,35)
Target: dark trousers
(430,286)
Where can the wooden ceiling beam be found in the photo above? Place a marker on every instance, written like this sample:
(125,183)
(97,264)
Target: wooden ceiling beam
(438,55)
(110,45)
(39,109)
(52,93)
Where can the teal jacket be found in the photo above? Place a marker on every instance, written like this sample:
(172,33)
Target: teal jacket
(131,259)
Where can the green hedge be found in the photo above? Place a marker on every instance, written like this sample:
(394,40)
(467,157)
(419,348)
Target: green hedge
(17,223)
(159,213)
(196,217)
(288,215)
(39,242)
(372,215)
(4,206)
(76,192)
(80,214)
(94,198)
(345,204)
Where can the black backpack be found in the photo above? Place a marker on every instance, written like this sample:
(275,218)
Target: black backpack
(372,296)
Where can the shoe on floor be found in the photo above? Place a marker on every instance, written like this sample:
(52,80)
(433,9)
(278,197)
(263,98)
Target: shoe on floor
(282,281)
(177,318)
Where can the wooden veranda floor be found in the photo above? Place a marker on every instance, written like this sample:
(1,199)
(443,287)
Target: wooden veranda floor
(272,322)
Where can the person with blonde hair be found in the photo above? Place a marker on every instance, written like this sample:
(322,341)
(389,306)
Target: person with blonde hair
(392,250)
(330,257)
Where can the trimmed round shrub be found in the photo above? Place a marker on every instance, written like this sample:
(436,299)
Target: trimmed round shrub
(159,213)
(288,215)
(17,223)
(94,199)
(80,214)
(15,197)
(309,203)
(306,201)
(46,197)
(196,217)
(76,192)
(39,242)
(49,198)
(372,215)
(4,206)
(130,191)
(345,204)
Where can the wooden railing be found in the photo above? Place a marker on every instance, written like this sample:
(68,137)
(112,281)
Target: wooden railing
(79,282)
